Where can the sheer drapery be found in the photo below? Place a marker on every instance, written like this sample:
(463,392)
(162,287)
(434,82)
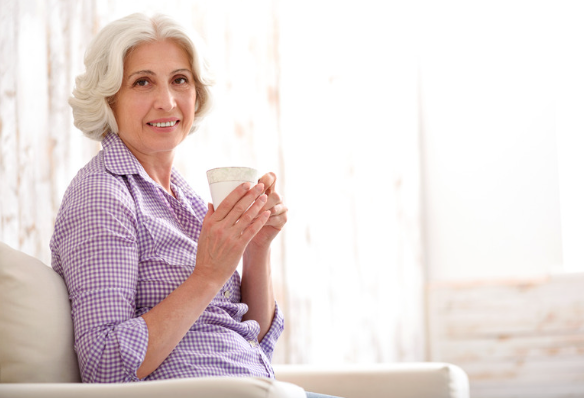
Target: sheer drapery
(322,93)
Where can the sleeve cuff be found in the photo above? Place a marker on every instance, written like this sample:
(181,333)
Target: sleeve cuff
(268,343)
(133,342)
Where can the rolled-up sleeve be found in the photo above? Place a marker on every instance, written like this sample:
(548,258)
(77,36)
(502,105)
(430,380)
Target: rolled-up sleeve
(269,340)
(95,249)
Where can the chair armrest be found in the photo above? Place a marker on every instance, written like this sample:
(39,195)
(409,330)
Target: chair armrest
(216,387)
(402,380)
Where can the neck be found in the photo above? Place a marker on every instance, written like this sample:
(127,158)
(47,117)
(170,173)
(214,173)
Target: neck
(159,172)
(158,166)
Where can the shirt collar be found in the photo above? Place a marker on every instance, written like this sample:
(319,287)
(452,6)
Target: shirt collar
(118,159)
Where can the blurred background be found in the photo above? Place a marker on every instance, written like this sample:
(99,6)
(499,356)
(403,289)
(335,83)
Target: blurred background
(430,153)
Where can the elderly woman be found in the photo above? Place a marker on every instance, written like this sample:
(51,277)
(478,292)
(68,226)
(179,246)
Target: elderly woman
(150,267)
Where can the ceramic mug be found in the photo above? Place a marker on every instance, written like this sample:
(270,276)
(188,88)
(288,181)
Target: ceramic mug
(223,180)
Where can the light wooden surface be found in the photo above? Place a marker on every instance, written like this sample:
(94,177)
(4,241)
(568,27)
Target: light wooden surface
(42,46)
(519,338)
(330,108)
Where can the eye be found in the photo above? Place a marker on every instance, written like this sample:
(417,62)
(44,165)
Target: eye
(180,80)
(141,82)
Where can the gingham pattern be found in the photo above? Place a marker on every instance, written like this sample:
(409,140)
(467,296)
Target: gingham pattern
(122,244)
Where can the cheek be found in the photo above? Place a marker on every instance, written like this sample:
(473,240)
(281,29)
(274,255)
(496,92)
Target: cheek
(124,109)
(136,110)
(189,108)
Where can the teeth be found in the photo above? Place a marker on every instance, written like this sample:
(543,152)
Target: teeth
(167,124)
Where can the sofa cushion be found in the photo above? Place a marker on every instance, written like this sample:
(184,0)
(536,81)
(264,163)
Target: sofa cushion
(36,330)
(403,380)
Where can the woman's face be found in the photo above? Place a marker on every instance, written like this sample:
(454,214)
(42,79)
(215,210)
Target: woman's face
(155,106)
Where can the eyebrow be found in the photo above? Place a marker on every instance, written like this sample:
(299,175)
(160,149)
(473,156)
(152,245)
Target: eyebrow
(151,73)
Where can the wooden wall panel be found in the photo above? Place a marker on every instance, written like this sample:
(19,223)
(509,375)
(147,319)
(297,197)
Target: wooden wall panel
(9,177)
(515,338)
(42,45)
(32,118)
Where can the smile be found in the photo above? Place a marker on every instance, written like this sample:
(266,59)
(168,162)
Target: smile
(167,124)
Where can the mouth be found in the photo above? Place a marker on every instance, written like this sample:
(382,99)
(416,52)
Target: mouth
(163,124)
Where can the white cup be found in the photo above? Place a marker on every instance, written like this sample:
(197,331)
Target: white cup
(223,180)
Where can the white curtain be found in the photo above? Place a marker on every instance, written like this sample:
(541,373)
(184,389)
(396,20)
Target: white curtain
(322,93)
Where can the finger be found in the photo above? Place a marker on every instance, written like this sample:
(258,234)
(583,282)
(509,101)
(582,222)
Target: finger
(230,200)
(255,227)
(210,212)
(278,220)
(251,214)
(278,209)
(244,204)
(274,226)
(269,181)
(274,199)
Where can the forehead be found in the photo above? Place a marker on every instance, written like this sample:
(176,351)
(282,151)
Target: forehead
(160,57)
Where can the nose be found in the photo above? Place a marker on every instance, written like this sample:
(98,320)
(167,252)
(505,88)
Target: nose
(165,98)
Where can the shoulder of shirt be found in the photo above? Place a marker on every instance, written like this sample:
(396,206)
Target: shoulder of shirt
(93,190)
(104,174)
(94,182)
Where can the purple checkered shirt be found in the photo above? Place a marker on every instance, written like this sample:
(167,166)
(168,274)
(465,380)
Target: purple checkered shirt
(122,244)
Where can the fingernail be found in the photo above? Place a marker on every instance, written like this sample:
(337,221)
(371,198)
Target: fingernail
(263,198)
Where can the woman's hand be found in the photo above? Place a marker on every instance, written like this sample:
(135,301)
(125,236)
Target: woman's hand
(227,231)
(278,214)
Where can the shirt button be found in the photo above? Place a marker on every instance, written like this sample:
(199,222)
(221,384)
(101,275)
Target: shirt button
(253,343)
(227,293)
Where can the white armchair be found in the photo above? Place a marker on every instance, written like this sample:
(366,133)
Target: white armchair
(37,357)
